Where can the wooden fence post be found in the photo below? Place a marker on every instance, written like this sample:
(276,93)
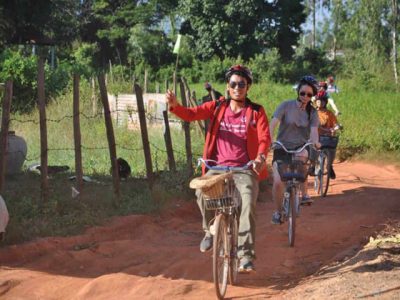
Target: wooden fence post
(110,136)
(168,143)
(174,84)
(77,135)
(143,130)
(43,132)
(186,128)
(200,123)
(5,122)
(167,137)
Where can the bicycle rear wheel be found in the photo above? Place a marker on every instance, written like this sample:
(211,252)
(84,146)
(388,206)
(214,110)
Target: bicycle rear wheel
(317,182)
(292,211)
(324,176)
(220,256)
(234,260)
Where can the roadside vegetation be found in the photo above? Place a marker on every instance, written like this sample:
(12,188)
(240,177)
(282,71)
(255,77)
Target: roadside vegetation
(357,42)
(370,131)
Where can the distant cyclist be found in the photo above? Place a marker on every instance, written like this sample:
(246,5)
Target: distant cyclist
(298,123)
(332,88)
(238,133)
(323,86)
(328,125)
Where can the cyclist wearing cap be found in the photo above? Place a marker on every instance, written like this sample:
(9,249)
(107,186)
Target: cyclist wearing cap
(238,133)
(298,123)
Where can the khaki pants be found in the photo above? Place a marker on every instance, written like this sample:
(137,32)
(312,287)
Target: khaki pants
(247,184)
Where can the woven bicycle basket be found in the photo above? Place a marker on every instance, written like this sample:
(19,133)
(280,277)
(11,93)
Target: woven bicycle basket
(295,169)
(211,186)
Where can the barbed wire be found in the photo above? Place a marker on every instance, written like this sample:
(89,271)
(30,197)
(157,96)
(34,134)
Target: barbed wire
(149,116)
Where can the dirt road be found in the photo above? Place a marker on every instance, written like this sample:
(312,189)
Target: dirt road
(148,257)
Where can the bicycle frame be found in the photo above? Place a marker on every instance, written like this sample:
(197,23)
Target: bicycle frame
(322,174)
(225,229)
(293,178)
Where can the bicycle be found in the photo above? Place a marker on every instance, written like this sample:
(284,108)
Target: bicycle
(293,172)
(322,168)
(223,197)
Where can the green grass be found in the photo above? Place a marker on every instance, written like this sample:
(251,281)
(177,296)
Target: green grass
(371,132)
(370,119)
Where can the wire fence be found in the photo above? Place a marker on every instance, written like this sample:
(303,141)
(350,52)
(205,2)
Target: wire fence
(96,142)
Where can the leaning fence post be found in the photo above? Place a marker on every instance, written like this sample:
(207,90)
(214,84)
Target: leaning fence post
(43,131)
(186,128)
(77,135)
(167,137)
(143,130)
(5,122)
(191,102)
(110,136)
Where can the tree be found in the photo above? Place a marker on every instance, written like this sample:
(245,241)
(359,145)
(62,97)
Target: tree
(40,21)
(241,28)
(110,23)
(394,19)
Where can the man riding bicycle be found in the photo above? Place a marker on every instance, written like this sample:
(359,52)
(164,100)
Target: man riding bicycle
(238,133)
(298,123)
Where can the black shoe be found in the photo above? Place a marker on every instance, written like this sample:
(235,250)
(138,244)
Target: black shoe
(206,243)
(306,200)
(332,173)
(311,171)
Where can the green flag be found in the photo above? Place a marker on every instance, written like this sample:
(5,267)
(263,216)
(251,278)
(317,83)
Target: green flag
(177,44)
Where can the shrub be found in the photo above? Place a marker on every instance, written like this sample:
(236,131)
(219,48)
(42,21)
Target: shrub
(23,71)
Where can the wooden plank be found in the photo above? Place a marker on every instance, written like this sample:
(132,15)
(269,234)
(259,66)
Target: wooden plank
(5,122)
(110,136)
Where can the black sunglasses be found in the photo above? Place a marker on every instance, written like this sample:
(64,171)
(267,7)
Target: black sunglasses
(240,84)
(304,93)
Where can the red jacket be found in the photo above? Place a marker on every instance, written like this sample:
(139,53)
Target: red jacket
(258,136)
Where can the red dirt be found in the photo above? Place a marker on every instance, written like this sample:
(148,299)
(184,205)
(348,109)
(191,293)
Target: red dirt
(157,257)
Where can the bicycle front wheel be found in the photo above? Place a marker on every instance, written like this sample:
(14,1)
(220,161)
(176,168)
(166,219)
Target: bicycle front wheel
(220,256)
(234,260)
(292,210)
(324,176)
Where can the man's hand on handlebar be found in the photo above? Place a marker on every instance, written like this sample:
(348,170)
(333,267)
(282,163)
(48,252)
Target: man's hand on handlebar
(259,163)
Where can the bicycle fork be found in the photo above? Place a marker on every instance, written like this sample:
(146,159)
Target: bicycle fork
(286,201)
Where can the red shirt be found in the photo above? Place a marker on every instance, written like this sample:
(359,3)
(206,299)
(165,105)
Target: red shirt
(258,136)
(232,139)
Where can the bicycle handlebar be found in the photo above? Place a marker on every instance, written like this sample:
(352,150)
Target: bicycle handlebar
(291,151)
(223,168)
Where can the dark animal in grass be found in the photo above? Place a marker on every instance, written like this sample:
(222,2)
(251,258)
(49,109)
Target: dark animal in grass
(54,169)
(124,170)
